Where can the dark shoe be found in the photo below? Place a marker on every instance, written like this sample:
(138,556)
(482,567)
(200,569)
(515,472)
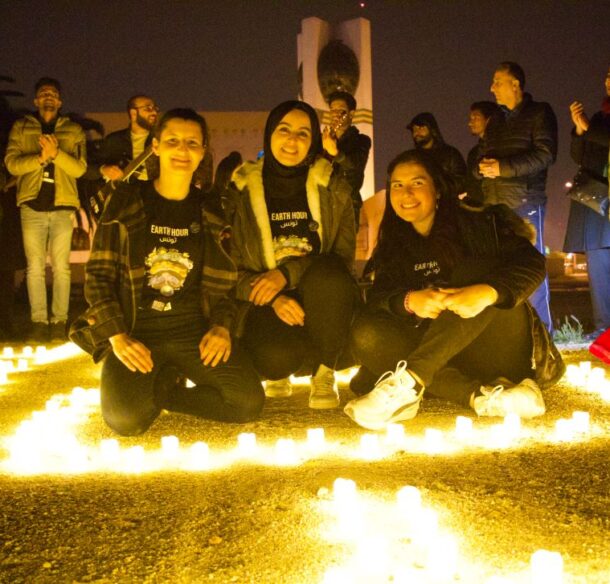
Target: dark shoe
(39,333)
(58,332)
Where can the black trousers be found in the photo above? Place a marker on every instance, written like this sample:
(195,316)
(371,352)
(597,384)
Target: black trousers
(330,297)
(229,392)
(453,356)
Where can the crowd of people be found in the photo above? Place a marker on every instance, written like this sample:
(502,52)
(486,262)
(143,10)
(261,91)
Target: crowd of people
(237,283)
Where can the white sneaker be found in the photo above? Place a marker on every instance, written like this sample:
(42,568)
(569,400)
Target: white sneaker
(524,399)
(393,398)
(324,394)
(278,388)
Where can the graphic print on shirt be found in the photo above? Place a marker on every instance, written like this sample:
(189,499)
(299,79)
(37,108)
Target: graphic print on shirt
(293,230)
(168,269)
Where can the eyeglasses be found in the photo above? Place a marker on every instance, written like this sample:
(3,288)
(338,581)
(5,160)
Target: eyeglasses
(147,108)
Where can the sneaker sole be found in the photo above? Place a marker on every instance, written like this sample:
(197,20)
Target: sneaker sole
(324,403)
(273,394)
(407,412)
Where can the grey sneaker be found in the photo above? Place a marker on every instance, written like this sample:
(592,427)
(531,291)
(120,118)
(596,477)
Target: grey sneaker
(324,394)
(278,388)
(394,398)
(504,397)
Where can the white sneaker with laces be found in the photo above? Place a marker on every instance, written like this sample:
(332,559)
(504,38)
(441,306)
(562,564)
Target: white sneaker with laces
(278,387)
(394,398)
(324,394)
(504,397)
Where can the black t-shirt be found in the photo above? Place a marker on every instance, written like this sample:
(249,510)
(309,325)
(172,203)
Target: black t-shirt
(173,261)
(294,232)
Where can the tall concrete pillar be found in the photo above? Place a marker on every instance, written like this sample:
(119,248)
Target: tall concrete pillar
(332,58)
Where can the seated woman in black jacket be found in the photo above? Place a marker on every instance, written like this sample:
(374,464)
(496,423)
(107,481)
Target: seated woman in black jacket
(293,242)
(448,310)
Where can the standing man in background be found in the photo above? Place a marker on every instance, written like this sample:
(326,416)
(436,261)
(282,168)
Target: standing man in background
(520,145)
(480,112)
(47,153)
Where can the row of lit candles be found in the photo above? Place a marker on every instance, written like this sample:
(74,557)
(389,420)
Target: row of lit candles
(379,534)
(48,442)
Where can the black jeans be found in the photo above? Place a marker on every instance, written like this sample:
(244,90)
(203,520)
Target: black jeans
(453,356)
(330,297)
(229,392)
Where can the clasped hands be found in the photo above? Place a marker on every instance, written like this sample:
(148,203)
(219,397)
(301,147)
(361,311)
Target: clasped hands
(214,347)
(466,302)
(49,148)
(266,289)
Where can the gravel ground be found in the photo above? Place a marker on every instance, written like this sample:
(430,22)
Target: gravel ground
(269,524)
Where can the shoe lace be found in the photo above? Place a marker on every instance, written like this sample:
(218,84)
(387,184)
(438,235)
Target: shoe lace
(492,395)
(393,383)
(324,383)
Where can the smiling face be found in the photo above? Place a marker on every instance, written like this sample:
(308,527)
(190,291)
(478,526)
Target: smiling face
(47,100)
(291,139)
(413,196)
(179,147)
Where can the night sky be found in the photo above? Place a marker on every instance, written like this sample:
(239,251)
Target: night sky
(429,55)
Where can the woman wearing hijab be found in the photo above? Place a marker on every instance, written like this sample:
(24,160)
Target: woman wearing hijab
(448,308)
(294,244)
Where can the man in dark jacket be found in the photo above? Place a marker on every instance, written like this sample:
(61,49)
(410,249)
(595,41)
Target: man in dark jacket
(519,146)
(480,113)
(346,145)
(427,135)
(123,146)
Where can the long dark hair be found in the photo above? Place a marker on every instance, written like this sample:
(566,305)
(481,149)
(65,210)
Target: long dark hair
(397,237)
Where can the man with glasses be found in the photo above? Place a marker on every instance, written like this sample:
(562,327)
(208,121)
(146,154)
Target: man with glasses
(119,148)
(47,153)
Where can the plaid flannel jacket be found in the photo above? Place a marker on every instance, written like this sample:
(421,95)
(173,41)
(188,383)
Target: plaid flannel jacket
(115,273)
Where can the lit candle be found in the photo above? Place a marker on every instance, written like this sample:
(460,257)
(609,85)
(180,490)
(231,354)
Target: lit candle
(134,459)
(409,501)
(8,352)
(285,451)
(190,383)
(585,367)
(338,575)
(315,439)
(170,447)
(3,377)
(110,451)
(564,430)
(345,491)
(246,444)
(369,447)
(512,424)
(574,374)
(199,456)
(581,422)
(22,364)
(546,567)
(395,434)
(433,440)
(442,558)
(27,351)
(463,428)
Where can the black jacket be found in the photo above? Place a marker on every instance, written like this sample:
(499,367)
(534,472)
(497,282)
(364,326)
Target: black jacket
(351,160)
(497,244)
(586,229)
(524,140)
(117,149)
(474,186)
(452,162)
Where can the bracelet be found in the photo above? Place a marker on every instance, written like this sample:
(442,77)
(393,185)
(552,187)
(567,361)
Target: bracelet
(405,302)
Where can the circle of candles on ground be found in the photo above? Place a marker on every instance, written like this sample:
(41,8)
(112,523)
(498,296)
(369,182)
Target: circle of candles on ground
(546,567)
(369,446)
(395,434)
(581,421)
(246,443)
(8,352)
(27,351)
(463,428)
(315,439)
(433,440)
(170,446)
(199,456)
